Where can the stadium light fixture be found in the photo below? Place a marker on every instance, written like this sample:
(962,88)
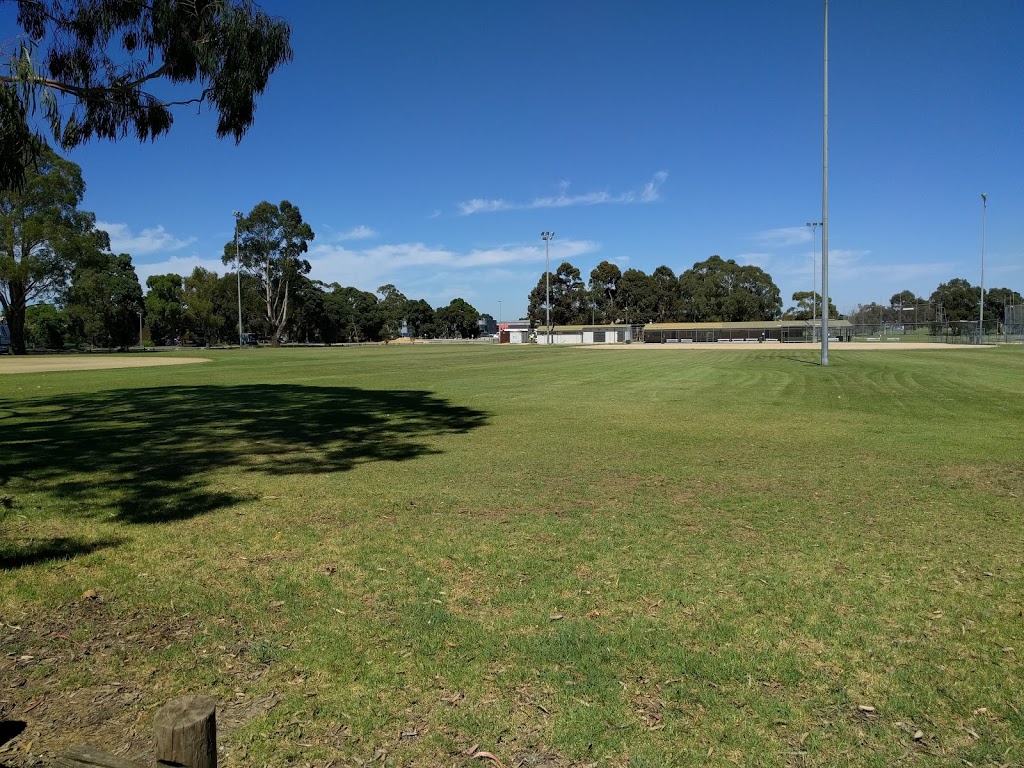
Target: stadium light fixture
(238,274)
(546,237)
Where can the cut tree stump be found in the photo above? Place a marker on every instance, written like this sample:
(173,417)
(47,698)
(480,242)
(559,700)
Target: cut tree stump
(186,733)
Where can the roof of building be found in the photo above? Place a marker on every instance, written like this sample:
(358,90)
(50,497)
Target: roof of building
(752,325)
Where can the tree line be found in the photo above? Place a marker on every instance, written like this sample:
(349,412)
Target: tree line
(951,307)
(61,286)
(715,290)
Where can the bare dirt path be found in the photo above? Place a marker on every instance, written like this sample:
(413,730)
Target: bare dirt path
(38,364)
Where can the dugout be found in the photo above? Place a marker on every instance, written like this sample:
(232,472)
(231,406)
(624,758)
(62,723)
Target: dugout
(774,331)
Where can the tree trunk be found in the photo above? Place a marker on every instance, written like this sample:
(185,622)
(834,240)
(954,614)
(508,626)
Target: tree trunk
(16,318)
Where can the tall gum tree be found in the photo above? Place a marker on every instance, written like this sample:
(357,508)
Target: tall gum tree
(91,69)
(271,241)
(42,236)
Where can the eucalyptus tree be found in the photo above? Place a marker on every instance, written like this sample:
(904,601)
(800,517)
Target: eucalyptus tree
(271,242)
(164,306)
(42,236)
(104,302)
(101,69)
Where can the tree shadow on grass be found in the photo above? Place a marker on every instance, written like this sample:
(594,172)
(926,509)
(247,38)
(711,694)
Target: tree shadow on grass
(150,455)
(13,556)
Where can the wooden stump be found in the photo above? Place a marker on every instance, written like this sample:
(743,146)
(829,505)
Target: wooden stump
(186,733)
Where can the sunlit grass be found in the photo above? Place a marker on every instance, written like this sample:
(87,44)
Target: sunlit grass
(565,556)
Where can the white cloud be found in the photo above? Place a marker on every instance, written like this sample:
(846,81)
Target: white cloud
(361,232)
(410,265)
(649,193)
(761,260)
(783,237)
(150,240)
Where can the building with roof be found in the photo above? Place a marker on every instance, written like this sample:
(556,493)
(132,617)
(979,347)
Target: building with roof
(759,330)
(586,334)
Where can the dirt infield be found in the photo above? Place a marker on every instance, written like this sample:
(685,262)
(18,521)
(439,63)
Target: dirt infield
(33,364)
(835,346)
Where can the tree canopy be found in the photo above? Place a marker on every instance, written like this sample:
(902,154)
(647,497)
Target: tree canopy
(271,241)
(42,236)
(90,69)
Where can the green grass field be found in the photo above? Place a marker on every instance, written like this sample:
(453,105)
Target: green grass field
(567,557)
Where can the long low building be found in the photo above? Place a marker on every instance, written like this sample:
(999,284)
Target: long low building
(761,330)
(586,334)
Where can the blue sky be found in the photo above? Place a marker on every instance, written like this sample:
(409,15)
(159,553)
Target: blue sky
(429,144)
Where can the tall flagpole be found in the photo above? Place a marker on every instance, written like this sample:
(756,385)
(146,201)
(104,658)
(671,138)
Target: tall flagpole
(824,214)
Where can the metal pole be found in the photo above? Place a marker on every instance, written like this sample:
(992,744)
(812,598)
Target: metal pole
(824,211)
(140,332)
(238,274)
(814,274)
(546,236)
(981,305)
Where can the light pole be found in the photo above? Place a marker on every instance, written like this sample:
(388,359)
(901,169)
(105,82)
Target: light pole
(814,272)
(140,332)
(499,312)
(238,274)
(824,209)
(981,304)
(546,237)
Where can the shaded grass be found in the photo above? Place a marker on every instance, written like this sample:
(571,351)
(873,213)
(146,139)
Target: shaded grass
(568,557)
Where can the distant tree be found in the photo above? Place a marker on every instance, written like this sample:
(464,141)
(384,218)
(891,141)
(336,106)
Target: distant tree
(719,290)
(356,312)
(272,240)
(392,310)
(958,298)
(199,296)
(164,307)
(308,322)
(419,316)
(637,297)
(87,68)
(996,302)
(46,326)
(667,296)
(225,304)
(42,236)
(803,309)
(604,289)
(105,300)
(457,320)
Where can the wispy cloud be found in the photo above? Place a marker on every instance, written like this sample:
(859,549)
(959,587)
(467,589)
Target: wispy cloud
(150,240)
(361,232)
(783,237)
(649,193)
(336,262)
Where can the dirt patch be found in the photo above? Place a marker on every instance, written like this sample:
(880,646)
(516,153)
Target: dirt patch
(45,363)
(73,676)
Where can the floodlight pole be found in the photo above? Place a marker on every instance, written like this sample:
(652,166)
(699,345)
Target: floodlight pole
(814,271)
(824,211)
(499,313)
(238,274)
(981,304)
(546,237)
